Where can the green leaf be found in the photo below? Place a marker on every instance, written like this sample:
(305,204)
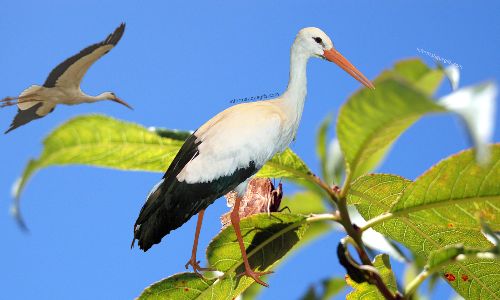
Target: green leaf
(326,289)
(430,213)
(179,286)
(374,196)
(321,146)
(97,140)
(332,287)
(454,192)
(446,261)
(101,141)
(450,253)
(368,291)
(474,278)
(415,71)
(267,239)
(285,165)
(173,134)
(371,120)
(252,292)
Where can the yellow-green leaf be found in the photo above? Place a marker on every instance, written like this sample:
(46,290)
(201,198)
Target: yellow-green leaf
(328,288)
(454,192)
(430,222)
(371,120)
(321,146)
(450,253)
(474,278)
(179,286)
(267,238)
(285,165)
(419,74)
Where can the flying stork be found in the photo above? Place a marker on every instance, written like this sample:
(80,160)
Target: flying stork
(225,152)
(62,86)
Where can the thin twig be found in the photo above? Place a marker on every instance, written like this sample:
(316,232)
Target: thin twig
(329,190)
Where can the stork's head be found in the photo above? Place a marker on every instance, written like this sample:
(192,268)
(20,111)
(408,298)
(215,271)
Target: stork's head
(312,41)
(111,96)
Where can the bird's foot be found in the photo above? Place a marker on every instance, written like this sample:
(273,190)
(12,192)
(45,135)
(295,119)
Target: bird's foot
(196,266)
(8,101)
(255,276)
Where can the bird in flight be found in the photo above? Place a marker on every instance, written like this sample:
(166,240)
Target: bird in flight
(62,86)
(224,153)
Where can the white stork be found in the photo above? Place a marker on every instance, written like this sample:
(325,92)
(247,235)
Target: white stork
(231,147)
(63,85)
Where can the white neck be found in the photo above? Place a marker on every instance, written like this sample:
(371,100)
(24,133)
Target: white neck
(101,96)
(295,95)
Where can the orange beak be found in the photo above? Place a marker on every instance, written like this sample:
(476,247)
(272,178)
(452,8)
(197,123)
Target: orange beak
(335,56)
(118,100)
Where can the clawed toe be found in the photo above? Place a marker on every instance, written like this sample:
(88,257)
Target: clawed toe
(256,276)
(196,266)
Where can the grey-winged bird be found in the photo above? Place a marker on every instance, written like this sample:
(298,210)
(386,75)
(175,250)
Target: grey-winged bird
(62,86)
(230,148)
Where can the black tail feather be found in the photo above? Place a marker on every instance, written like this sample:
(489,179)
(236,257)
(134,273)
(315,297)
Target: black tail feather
(169,207)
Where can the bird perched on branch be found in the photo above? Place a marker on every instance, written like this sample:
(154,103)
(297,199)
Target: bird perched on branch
(227,150)
(62,86)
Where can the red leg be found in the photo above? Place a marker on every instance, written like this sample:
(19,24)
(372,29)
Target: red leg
(235,220)
(192,261)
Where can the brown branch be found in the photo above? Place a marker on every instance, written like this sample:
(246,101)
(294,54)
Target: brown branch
(355,233)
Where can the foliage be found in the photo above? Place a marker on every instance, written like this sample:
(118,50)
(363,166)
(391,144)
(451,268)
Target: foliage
(327,289)
(101,141)
(440,217)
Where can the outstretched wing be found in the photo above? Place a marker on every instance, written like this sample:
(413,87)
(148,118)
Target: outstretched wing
(70,72)
(37,111)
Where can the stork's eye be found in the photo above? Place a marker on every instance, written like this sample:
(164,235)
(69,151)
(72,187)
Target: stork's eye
(318,40)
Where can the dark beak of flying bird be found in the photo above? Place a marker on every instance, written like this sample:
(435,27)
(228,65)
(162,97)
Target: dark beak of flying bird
(118,100)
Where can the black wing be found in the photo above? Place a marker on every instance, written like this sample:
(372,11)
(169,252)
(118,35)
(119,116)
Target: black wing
(26,116)
(76,66)
(172,203)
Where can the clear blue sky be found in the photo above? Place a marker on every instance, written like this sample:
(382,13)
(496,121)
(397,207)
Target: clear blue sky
(178,64)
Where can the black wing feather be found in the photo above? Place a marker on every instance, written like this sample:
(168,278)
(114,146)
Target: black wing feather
(25,116)
(173,203)
(112,39)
